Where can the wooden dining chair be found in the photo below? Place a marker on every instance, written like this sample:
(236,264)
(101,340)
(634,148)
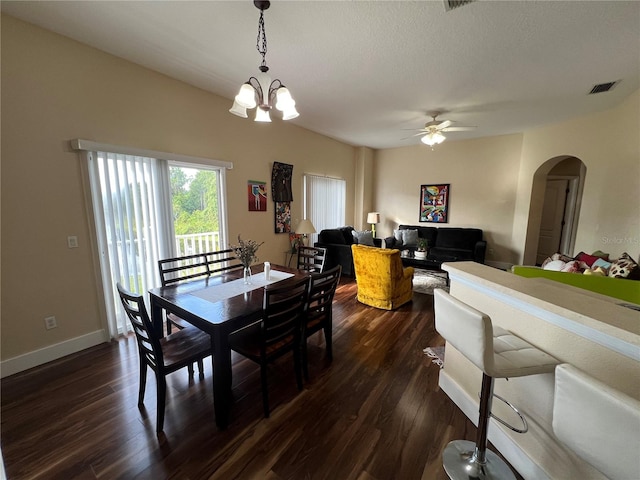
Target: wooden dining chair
(163,355)
(222,261)
(311,259)
(277,333)
(192,267)
(319,311)
(181,269)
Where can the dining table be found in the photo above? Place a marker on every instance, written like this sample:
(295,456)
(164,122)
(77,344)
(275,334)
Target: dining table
(219,305)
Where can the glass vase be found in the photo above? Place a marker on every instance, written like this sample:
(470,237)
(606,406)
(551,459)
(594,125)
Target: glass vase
(247,275)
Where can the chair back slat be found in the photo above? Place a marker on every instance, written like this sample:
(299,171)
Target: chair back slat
(180,269)
(283,307)
(148,343)
(199,265)
(321,292)
(312,259)
(222,261)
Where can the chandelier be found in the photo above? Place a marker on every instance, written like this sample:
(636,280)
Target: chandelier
(260,91)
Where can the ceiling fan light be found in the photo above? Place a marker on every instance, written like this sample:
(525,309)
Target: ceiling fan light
(262,115)
(238,110)
(428,140)
(433,138)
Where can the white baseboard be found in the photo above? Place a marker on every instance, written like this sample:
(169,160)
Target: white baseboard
(50,353)
(498,437)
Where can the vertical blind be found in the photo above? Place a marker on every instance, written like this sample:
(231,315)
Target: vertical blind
(324,202)
(131,209)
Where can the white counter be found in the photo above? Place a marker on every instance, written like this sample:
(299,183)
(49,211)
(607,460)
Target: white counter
(593,332)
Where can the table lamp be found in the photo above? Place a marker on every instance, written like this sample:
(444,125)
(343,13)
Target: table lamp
(373,218)
(305,227)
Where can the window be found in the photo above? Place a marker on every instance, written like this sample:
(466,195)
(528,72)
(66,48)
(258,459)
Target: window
(324,202)
(138,202)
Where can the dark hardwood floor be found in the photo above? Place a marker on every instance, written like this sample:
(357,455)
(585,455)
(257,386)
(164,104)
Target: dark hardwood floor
(375,413)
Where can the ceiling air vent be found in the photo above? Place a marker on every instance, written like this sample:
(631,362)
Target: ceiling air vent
(603,87)
(451,4)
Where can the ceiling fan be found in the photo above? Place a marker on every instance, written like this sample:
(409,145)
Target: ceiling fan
(432,131)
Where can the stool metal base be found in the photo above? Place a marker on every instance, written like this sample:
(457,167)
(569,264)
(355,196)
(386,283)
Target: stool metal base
(460,464)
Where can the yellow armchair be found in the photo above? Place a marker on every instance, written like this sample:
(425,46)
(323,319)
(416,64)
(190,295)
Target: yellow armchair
(382,280)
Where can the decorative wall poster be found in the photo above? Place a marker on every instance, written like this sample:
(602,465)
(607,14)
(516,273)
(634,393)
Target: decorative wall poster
(283,217)
(257,196)
(434,203)
(281,182)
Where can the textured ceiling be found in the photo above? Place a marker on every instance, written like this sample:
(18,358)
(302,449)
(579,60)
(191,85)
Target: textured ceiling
(368,72)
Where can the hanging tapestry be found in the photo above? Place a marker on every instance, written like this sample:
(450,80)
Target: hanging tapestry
(283,217)
(281,182)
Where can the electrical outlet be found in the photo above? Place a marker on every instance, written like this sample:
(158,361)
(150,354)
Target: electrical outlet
(491,251)
(50,322)
(72,241)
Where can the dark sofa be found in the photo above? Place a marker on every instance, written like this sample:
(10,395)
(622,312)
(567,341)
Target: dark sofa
(447,244)
(338,243)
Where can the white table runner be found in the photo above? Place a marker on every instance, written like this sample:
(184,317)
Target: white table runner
(223,291)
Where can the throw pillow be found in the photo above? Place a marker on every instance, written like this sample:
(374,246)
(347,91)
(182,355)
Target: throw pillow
(555,265)
(623,266)
(597,271)
(555,257)
(586,258)
(602,264)
(410,237)
(572,267)
(363,238)
(397,234)
(601,254)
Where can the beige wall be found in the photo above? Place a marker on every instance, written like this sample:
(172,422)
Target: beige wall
(608,143)
(482,174)
(55,89)
(492,183)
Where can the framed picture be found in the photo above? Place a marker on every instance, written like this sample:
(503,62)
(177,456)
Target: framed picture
(434,203)
(257,196)
(296,240)
(283,217)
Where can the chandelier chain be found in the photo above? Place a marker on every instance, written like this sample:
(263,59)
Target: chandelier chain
(262,35)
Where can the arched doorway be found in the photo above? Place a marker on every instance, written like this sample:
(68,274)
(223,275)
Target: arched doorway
(555,206)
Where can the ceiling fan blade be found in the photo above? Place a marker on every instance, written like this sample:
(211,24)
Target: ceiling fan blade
(444,124)
(457,129)
(416,135)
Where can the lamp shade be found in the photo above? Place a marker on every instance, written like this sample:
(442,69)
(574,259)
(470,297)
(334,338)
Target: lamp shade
(305,227)
(373,217)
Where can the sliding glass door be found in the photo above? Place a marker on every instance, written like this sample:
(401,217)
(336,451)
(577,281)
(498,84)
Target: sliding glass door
(147,209)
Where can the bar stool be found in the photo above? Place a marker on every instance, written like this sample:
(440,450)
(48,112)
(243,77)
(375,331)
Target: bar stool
(499,354)
(597,422)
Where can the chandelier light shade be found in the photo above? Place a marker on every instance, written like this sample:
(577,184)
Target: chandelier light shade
(260,91)
(433,138)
